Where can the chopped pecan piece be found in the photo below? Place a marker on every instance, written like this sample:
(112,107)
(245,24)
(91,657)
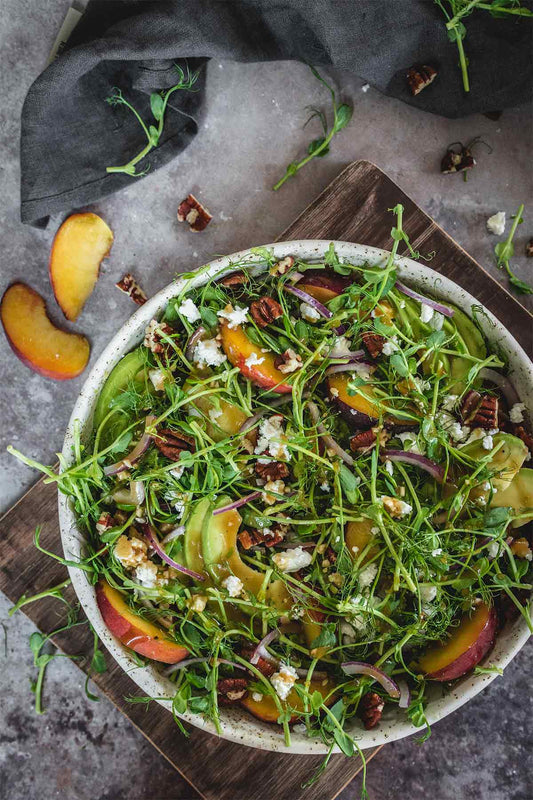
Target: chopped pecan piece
(129,286)
(370,709)
(153,337)
(283,266)
(420,76)
(373,343)
(525,435)
(529,249)
(363,441)
(236,279)
(470,404)
(273,471)
(267,668)
(194,213)
(457,160)
(288,362)
(265,310)
(171,443)
(105,522)
(268,538)
(246,539)
(231,690)
(486,415)
(520,547)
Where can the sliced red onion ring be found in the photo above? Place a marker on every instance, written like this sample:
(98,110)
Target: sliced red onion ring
(173,535)
(416,460)
(363,368)
(445,310)
(134,495)
(261,651)
(361,668)
(328,440)
(150,535)
(139,450)
(405,696)
(502,382)
(250,422)
(237,503)
(351,355)
(317,675)
(294,277)
(316,304)
(189,661)
(193,340)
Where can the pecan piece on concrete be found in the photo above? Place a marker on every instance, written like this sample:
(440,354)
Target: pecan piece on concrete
(370,709)
(272,471)
(529,249)
(265,310)
(373,343)
(153,336)
(194,213)
(288,362)
(525,435)
(235,280)
(420,76)
(231,690)
(469,405)
(171,443)
(267,668)
(486,415)
(363,441)
(457,160)
(129,286)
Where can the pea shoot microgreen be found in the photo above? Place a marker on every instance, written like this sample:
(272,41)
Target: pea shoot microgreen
(505,251)
(158,106)
(319,147)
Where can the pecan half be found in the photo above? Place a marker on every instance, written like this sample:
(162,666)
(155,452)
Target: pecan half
(525,435)
(265,310)
(231,690)
(370,709)
(420,76)
(273,471)
(486,415)
(529,249)
(129,286)
(267,668)
(194,213)
(288,362)
(470,404)
(171,443)
(233,280)
(373,343)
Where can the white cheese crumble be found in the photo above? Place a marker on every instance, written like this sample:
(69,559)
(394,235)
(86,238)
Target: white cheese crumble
(488,443)
(146,574)
(325,486)
(234,585)
(158,378)
(436,552)
(309,313)
(516,413)
(426,312)
(258,697)
(358,610)
(234,316)
(437,321)
(284,680)
(367,575)
(493,549)
(389,467)
(428,593)
(292,560)
(410,444)
(272,438)
(390,346)
(496,223)
(208,353)
(189,310)
(365,87)
(395,507)
(253,360)
(449,401)
(341,347)
(277,487)
(214,414)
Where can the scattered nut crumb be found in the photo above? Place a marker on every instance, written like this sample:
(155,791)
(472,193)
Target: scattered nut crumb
(194,213)
(129,286)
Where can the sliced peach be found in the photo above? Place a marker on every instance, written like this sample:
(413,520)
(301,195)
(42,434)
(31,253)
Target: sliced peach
(267,710)
(323,285)
(312,628)
(132,630)
(80,244)
(36,341)
(239,349)
(469,642)
(358,535)
(362,408)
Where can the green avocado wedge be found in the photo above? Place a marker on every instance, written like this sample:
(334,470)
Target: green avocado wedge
(505,462)
(193,536)
(518,496)
(130,368)
(469,340)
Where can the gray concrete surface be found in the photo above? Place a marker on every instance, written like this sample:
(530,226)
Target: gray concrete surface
(253,128)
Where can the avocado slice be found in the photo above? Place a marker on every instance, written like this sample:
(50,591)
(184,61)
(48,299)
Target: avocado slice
(193,536)
(130,368)
(505,463)
(518,496)
(470,341)
(226,420)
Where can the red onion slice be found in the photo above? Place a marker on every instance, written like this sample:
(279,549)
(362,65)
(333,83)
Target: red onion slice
(138,451)
(361,668)
(261,651)
(150,535)
(416,460)
(193,340)
(173,535)
(405,695)
(328,440)
(134,495)
(363,368)
(250,422)
(445,310)
(237,503)
(316,304)
(189,661)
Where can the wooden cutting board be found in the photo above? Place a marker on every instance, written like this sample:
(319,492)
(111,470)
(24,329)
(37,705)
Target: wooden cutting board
(354,207)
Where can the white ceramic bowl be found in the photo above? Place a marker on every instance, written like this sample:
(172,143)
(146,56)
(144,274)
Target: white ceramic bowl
(237,724)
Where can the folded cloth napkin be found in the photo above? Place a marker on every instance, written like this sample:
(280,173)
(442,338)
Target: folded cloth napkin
(69,134)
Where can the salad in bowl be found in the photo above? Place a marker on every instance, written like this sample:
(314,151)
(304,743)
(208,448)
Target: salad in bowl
(299,498)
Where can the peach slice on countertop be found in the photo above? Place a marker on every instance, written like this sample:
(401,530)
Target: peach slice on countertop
(469,642)
(79,246)
(267,710)
(36,341)
(240,349)
(133,631)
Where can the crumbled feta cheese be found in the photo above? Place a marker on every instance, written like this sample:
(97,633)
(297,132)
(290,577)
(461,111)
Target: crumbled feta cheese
(189,310)
(257,696)
(477,433)
(426,312)
(374,530)
(146,574)
(234,585)
(208,353)
(234,316)
(177,472)
(158,378)
(309,313)
(272,438)
(436,552)
(284,680)
(457,431)
(409,441)
(214,414)
(179,499)
(389,467)
(197,603)
(358,610)
(292,362)
(325,486)
(488,443)
(449,401)
(292,560)
(367,575)
(253,360)
(493,549)
(496,223)
(428,593)
(348,633)
(341,347)
(516,413)
(365,87)
(395,507)
(390,346)
(130,552)
(277,487)
(437,321)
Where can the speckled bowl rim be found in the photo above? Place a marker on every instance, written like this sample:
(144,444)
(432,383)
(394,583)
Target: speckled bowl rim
(237,725)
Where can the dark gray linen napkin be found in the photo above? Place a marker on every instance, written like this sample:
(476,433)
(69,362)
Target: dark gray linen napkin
(69,134)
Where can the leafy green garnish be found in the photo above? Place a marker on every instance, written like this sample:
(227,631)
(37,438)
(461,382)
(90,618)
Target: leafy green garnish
(505,251)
